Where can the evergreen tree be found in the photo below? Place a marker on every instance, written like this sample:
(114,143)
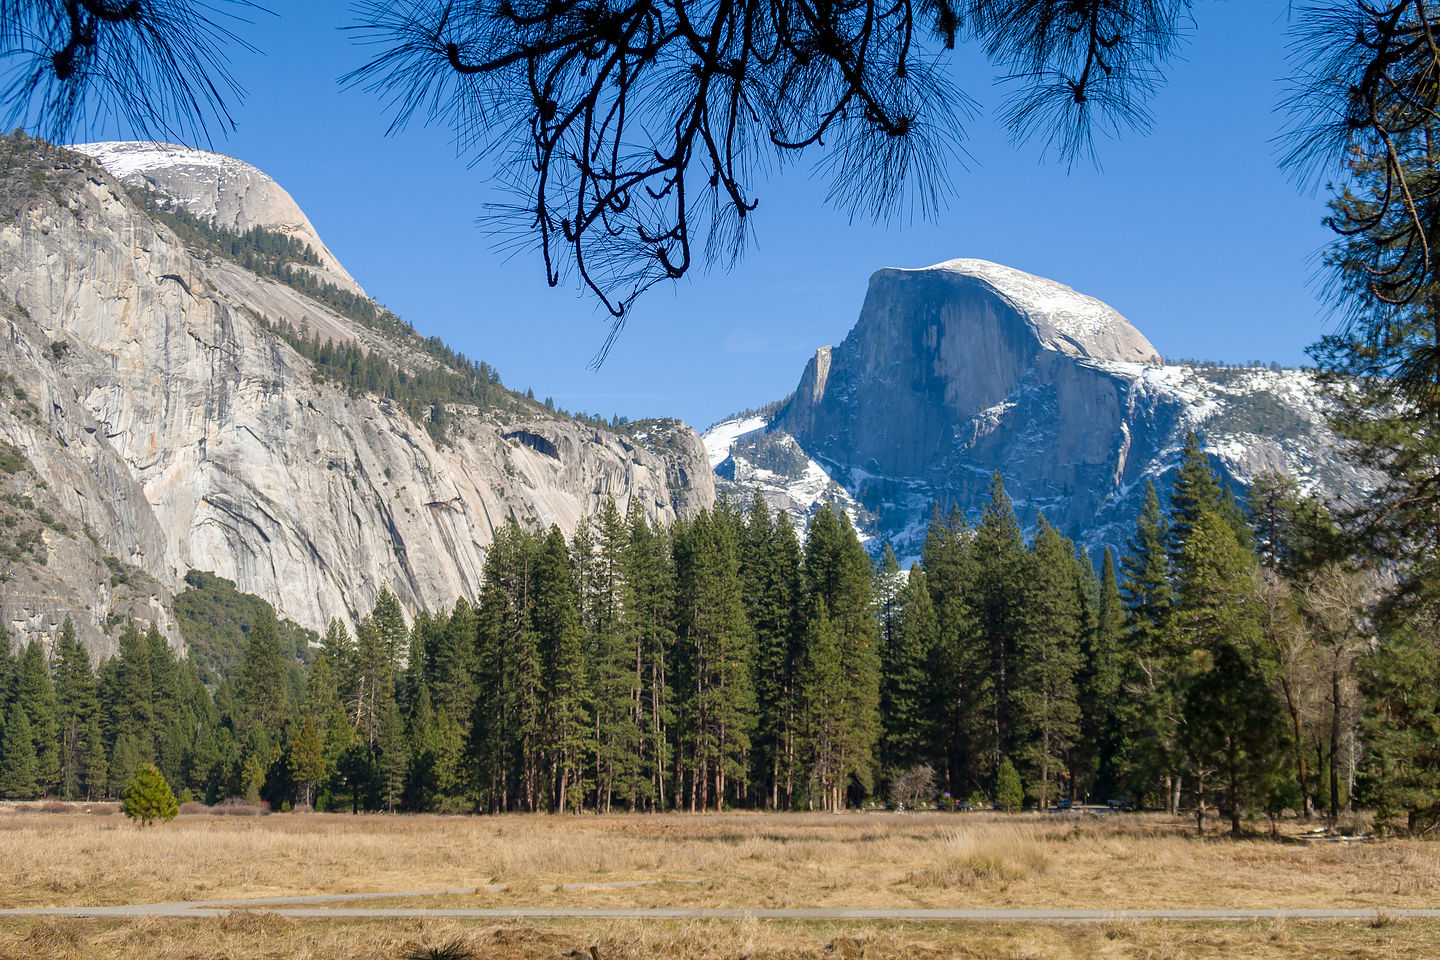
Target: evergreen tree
(1099,686)
(1148,758)
(648,609)
(1002,570)
(1009,790)
(838,570)
(94,765)
(904,693)
(1401,684)
(127,696)
(960,685)
(613,672)
(306,760)
(261,689)
(508,724)
(148,798)
(393,764)
(34,693)
(714,646)
(1196,490)
(1232,719)
(125,758)
(822,682)
(17,756)
(772,591)
(76,704)
(561,641)
(452,663)
(1047,649)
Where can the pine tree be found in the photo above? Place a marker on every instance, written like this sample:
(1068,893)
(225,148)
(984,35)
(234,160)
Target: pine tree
(1009,790)
(35,695)
(94,765)
(960,685)
(772,589)
(125,758)
(838,570)
(1002,569)
(306,760)
(556,622)
(714,646)
(17,756)
(261,689)
(393,764)
(905,691)
(1047,650)
(648,609)
(148,798)
(613,672)
(1232,720)
(508,723)
(76,704)
(1401,684)
(452,663)
(1099,685)
(126,697)
(822,683)
(1148,760)
(1196,490)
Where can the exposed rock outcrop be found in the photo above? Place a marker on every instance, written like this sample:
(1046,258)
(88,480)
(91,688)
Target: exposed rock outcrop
(958,370)
(173,430)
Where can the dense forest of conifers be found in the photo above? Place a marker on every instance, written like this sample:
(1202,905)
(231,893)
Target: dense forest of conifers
(1221,664)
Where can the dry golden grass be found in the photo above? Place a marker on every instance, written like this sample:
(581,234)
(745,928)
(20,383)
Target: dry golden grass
(249,936)
(740,860)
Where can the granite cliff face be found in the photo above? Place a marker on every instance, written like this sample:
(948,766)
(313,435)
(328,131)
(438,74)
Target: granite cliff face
(164,424)
(961,369)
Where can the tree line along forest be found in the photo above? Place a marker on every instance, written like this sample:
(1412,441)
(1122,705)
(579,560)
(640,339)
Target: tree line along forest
(1220,666)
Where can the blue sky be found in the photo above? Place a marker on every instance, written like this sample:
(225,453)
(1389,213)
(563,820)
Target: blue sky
(1192,232)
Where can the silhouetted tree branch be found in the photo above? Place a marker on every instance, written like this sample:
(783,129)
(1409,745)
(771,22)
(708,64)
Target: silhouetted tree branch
(158,66)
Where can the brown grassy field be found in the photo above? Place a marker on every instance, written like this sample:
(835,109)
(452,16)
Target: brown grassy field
(260,937)
(739,860)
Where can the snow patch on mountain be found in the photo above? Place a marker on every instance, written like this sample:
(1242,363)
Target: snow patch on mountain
(230,193)
(721,436)
(748,456)
(1069,321)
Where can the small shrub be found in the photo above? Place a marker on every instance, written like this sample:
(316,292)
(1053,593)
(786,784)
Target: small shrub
(149,798)
(1009,791)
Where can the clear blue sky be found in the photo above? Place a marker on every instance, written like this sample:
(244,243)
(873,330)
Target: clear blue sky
(1192,231)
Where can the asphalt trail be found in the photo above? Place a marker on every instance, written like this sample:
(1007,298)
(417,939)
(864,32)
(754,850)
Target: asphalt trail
(303,906)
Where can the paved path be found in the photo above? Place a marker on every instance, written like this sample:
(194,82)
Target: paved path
(303,906)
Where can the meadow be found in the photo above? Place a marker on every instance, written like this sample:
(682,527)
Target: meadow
(721,860)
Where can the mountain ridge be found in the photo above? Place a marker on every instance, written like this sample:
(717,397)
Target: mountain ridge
(966,368)
(165,423)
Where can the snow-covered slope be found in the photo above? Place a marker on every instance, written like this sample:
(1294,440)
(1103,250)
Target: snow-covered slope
(1070,322)
(960,370)
(229,193)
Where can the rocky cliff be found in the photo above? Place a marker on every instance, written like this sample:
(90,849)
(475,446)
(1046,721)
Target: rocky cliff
(162,424)
(958,370)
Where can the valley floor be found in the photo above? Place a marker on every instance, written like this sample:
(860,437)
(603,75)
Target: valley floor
(871,861)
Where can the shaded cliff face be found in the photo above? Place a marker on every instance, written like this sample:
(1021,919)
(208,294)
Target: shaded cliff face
(172,430)
(959,370)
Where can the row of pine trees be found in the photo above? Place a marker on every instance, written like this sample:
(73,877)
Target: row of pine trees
(1224,665)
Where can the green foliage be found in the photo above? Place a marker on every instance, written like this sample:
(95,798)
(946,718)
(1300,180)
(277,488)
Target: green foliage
(148,798)
(12,460)
(17,756)
(215,620)
(1401,683)
(1009,791)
